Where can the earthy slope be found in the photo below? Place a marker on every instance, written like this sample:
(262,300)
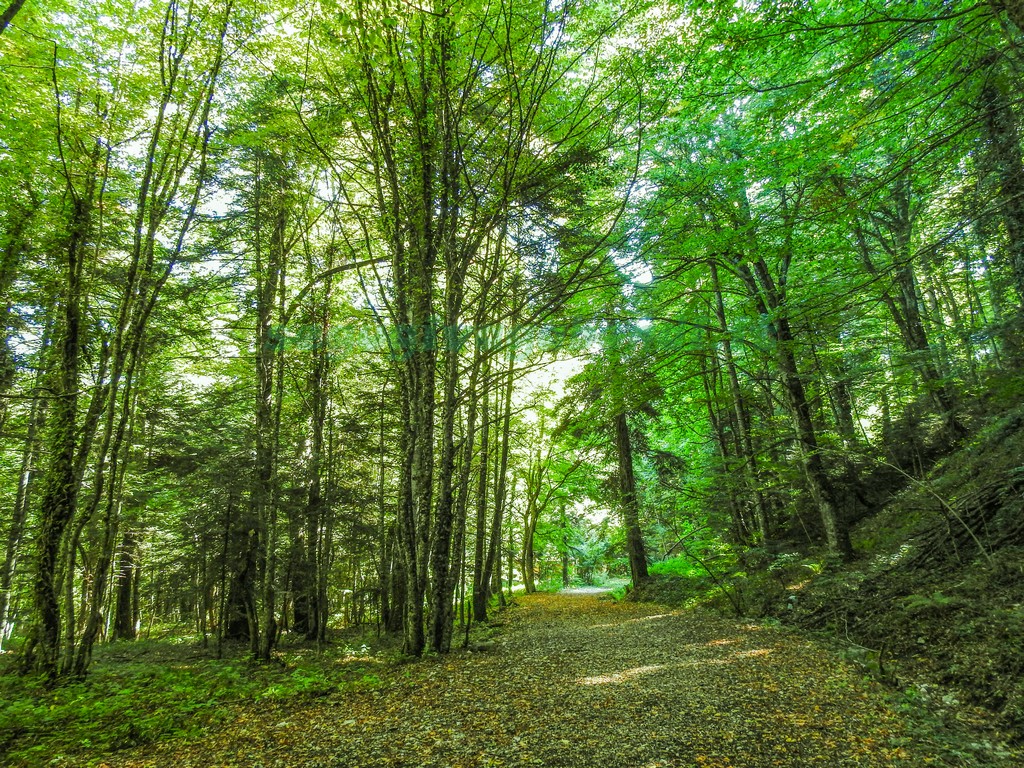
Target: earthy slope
(577,680)
(938,589)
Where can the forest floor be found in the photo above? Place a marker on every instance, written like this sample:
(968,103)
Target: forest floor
(580,680)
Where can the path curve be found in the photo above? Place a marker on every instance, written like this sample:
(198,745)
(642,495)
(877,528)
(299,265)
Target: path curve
(576,681)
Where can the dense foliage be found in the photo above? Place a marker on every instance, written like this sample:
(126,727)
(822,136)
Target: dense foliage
(334,313)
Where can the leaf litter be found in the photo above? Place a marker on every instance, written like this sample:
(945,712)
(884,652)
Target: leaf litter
(575,681)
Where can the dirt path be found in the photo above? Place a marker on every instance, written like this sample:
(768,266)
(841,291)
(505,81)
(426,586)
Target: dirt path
(577,680)
(586,590)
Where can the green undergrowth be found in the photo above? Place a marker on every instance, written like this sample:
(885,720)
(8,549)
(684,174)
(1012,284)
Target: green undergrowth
(554,583)
(675,581)
(149,691)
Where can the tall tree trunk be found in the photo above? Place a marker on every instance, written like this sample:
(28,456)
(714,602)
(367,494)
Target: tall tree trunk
(843,402)
(529,556)
(761,512)
(740,527)
(222,601)
(630,503)
(1004,153)
(308,543)
(480,586)
(822,489)
(60,486)
(457,575)
(273,218)
(14,245)
(145,278)
(770,305)
(531,515)
(26,475)
(444,523)
(565,547)
(904,304)
(126,603)
(240,621)
(416,492)
(387,574)
(325,548)
(492,564)
(116,445)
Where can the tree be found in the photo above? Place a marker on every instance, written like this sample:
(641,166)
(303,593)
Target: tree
(466,123)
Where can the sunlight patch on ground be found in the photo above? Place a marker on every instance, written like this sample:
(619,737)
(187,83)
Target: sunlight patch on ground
(619,677)
(638,620)
(725,641)
(756,652)
(344,662)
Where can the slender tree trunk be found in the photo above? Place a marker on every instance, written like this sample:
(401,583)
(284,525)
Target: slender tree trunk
(1004,152)
(386,574)
(761,512)
(116,444)
(270,251)
(416,494)
(14,245)
(770,305)
(843,401)
(157,194)
(456,577)
(307,577)
(444,523)
(630,503)
(491,575)
(740,526)
(904,304)
(565,548)
(26,474)
(325,548)
(222,602)
(529,564)
(480,586)
(125,612)
(465,472)
(531,515)
(510,550)
(836,531)
(60,486)
(306,564)
(8,15)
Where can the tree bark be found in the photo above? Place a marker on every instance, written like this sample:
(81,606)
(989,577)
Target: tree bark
(1005,156)
(26,474)
(904,302)
(10,13)
(770,305)
(60,486)
(740,526)
(444,525)
(491,575)
(761,512)
(630,503)
(126,604)
(481,587)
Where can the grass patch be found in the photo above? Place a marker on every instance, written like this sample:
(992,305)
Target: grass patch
(682,581)
(680,568)
(150,691)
